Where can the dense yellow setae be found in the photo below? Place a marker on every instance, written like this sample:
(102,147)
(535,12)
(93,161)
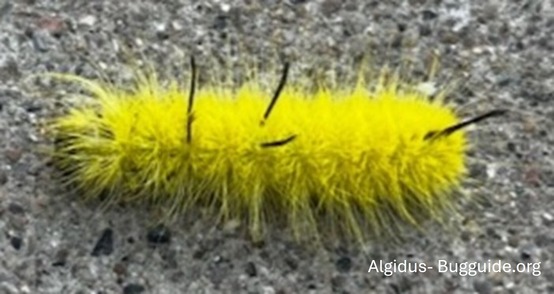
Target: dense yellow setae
(347,161)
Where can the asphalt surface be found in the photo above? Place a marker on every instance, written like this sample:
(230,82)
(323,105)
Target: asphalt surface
(502,52)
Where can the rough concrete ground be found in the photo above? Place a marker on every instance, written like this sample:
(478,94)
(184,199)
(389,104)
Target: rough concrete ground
(503,51)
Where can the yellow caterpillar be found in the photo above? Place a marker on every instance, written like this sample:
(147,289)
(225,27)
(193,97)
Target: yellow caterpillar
(343,161)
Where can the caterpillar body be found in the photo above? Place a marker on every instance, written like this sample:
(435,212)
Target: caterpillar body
(348,161)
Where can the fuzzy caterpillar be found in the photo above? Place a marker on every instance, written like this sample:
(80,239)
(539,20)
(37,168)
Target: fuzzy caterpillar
(347,161)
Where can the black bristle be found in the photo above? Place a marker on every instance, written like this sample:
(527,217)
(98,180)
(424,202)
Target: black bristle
(452,129)
(190,116)
(278,143)
(278,91)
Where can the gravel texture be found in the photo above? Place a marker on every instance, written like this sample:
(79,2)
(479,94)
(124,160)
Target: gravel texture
(503,51)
